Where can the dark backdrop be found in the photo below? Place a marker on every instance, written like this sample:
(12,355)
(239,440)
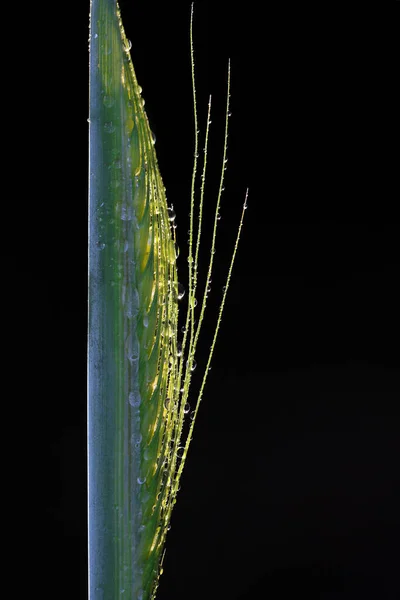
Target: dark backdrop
(292,484)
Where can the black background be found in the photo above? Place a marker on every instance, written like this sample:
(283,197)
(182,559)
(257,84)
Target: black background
(292,483)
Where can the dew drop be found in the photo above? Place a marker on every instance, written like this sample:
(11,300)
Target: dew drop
(108,101)
(194,365)
(218,217)
(109,127)
(171,214)
(180,451)
(137,440)
(192,414)
(153,138)
(128,45)
(193,302)
(179,349)
(134,399)
(127,213)
(134,356)
(101,245)
(181,291)
(186,408)
(140,89)
(141,480)
(145,321)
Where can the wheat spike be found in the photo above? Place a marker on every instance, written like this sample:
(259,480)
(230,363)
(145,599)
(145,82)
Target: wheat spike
(138,374)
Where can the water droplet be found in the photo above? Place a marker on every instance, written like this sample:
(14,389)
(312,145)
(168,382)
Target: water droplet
(171,214)
(145,321)
(193,302)
(143,101)
(186,408)
(183,329)
(153,138)
(180,451)
(179,349)
(109,127)
(101,245)
(218,217)
(141,480)
(167,402)
(96,35)
(224,288)
(108,101)
(181,291)
(137,440)
(229,114)
(194,365)
(128,45)
(140,89)
(126,246)
(192,414)
(134,398)
(134,356)
(126,213)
